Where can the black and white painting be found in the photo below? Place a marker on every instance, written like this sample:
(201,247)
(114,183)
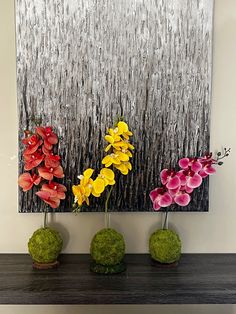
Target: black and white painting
(82,63)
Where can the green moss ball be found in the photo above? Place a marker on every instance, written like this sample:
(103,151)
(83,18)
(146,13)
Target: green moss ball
(107,247)
(165,246)
(45,245)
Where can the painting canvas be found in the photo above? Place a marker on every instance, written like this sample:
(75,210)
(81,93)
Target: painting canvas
(82,63)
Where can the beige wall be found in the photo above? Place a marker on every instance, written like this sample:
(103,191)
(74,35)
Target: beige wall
(200,232)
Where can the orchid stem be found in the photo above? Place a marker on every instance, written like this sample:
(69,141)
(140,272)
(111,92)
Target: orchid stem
(45,218)
(165,221)
(106,208)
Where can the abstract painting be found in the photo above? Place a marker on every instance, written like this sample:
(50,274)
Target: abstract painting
(82,63)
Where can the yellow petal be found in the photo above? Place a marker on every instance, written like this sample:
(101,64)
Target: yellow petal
(107,173)
(106,159)
(95,194)
(107,148)
(98,186)
(122,156)
(88,173)
(112,182)
(122,127)
(109,139)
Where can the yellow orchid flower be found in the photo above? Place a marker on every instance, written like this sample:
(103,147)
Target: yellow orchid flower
(115,158)
(124,167)
(83,190)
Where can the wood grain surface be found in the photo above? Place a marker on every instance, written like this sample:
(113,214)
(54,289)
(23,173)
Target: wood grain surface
(198,279)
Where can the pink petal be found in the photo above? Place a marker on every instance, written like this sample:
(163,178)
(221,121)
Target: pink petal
(164,176)
(156,206)
(209,169)
(182,199)
(165,200)
(182,177)
(173,183)
(188,190)
(196,166)
(203,174)
(194,181)
(173,192)
(184,163)
(154,193)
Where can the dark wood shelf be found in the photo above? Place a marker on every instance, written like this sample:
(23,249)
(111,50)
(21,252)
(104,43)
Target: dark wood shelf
(198,279)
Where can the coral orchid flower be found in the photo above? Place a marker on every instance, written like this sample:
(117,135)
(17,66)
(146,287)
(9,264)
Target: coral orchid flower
(52,161)
(32,142)
(54,202)
(33,160)
(26,181)
(55,189)
(49,173)
(49,137)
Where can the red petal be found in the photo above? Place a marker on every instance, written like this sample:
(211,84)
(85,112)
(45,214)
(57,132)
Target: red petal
(165,200)
(25,181)
(47,145)
(58,172)
(182,199)
(41,131)
(184,163)
(44,173)
(46,187)
(52,139)
(195,181)
(173,183)
(49,162)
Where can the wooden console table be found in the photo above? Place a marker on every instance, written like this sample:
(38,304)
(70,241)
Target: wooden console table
(198,279)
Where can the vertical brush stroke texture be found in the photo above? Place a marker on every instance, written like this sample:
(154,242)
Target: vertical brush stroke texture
(80,63)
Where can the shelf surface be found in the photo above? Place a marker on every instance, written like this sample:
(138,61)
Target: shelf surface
(198,279)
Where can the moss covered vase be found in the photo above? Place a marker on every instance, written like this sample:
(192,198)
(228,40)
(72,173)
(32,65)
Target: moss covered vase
(165,246)
(107,249)
(44,246)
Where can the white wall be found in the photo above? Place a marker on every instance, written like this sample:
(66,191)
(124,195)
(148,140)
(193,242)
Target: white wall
(200,232)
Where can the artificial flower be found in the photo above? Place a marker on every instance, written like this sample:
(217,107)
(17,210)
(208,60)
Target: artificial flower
(49,173)
(26,181)
(192,163)
(32,142)
(124,167)
(55,189)
(49,137)
(83,190)
(47,197)
(160,198)
(33,160)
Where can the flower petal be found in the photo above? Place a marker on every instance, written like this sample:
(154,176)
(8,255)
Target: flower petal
(194,181)
(165,200)
(184,163)
(196,166)
(173,183)
(182,199)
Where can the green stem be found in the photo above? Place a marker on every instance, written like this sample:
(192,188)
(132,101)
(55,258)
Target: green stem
(106,207)
(165,221)
(45,218)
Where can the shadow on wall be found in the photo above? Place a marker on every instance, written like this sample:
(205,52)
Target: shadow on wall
(118,309)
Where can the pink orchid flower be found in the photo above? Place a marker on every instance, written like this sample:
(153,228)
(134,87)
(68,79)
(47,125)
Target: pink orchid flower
(189,179)
(32,142)
(160,198)
(49,173)
(54,202)
(190,163)
(49,137)
(207,168)
(55,189)
(33,160)
(26,181)
(170,179)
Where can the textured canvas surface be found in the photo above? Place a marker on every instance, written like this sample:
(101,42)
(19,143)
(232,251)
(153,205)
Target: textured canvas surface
(80,63)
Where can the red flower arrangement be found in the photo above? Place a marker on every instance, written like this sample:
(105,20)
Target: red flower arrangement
(178,185)
(42,165)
